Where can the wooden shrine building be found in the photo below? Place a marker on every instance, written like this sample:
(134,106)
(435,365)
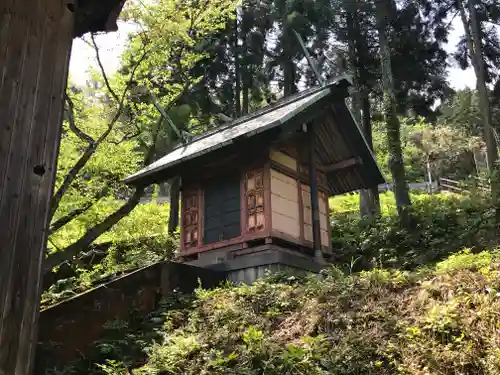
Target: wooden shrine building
(255,192)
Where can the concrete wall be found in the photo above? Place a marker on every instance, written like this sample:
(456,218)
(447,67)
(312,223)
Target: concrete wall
(68,329)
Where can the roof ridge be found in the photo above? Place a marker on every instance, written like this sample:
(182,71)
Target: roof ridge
(268,108)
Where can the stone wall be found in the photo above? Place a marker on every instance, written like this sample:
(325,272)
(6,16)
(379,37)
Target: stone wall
(68,329)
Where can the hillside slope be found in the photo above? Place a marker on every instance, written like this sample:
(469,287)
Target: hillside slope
(443,320)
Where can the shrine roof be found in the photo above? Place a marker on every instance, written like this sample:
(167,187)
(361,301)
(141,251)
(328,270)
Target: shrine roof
(339,139)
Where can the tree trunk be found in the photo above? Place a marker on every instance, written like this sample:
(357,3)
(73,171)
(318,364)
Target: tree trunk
(369,198)
(237,78)
(369,203)
(474,44)
(173,219)
(287,64)
(247,84)
(163,191)
(390,114)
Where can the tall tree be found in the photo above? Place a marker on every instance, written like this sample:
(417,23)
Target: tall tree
(474,39)
(384,12)
(359,62)
(160,58)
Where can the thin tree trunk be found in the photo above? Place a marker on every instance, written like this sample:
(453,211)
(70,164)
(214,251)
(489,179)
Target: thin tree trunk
(173,219)
(236,49)
(390,114)
(247,84)
(474,43)
(369,203)
(370,197)
(288,66)
(163,191)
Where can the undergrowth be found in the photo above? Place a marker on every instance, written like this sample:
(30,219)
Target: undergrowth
(419,301)
(437,320)
(442,223)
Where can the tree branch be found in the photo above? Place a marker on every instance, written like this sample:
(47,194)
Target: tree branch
(92,147)
(93,233)
(58,224)
(72,125)
(101,67)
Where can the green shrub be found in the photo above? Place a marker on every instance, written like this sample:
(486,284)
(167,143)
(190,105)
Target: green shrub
(442,223)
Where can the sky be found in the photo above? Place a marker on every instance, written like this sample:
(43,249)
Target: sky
(112,44)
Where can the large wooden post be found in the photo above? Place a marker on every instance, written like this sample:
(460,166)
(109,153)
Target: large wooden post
(35,43)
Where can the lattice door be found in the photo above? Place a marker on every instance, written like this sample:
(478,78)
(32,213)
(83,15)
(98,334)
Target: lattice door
(191,219)
(255,200)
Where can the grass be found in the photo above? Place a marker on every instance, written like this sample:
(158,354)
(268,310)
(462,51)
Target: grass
(438,320)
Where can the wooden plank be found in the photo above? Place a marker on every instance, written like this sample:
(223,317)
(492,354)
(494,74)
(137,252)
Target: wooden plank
(283,159)
(46,158)
(267,200)
(33,62)
(11,66)
(342,164)
(301,210)
(23,137)
(5,31)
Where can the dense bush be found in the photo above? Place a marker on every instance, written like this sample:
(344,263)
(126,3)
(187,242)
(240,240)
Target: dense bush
(438,320)
(442,223)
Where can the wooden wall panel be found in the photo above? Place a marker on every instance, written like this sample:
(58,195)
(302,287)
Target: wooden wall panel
(323,218)
(35,42)
(323,215)
(285,204)
(283,159)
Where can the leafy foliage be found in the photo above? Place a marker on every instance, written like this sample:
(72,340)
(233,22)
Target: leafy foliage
(138,240)
(447,149)
(443,223)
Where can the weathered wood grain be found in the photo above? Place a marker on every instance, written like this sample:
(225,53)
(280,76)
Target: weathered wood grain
(34,54)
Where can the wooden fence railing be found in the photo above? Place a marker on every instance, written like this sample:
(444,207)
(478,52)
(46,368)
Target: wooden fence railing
(455,186)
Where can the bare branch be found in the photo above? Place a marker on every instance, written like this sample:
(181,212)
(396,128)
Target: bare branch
(126,137)
(99,62)
(93,233)
(92,147)
(72,125)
